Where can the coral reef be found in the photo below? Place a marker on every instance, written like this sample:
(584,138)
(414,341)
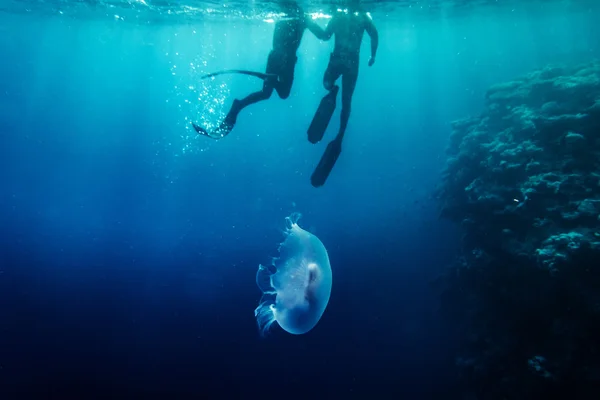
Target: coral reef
(523,181)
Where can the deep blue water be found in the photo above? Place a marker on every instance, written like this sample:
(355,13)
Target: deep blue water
(130,245)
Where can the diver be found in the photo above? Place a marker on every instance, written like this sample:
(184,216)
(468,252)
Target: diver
(281,63)
(348,25)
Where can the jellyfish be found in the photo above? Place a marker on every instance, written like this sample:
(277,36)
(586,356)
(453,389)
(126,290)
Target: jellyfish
(296,287)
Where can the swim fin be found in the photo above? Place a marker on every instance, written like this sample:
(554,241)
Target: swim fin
(334,148)
(317,127)
(259,75)
(203,132)
(225,127)
(222,131)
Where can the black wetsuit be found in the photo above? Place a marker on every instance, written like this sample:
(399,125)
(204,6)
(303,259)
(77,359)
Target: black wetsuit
(281,63)
(348,28)
(282,59)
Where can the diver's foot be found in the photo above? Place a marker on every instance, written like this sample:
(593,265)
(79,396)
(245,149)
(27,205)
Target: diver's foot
(337,142)
(224,129)
(231,117)
(236,107)
(201,131)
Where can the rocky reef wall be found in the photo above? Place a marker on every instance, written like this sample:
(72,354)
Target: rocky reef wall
(523,181)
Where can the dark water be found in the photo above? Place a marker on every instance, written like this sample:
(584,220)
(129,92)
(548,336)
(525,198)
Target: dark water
(130,244)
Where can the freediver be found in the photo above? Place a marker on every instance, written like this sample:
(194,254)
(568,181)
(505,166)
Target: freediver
(348,25)
(280,68)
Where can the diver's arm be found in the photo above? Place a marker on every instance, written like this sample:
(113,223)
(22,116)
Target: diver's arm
(330,28)
(316,29)
(374,35)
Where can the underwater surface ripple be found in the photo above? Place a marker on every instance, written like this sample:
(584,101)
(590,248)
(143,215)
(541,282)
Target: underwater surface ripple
(189,11)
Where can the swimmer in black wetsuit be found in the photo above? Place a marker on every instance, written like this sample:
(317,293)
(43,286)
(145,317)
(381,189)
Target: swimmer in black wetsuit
(280,65)
(348,26)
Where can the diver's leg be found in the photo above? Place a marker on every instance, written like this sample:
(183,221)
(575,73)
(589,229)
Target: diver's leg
(228,123)
(334,148)
(284,85)
(349,79)
(320,121)
(238,105)
(332,73)
(265,93)
(285,71)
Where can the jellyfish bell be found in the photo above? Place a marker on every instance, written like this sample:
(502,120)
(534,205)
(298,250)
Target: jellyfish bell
(297,286)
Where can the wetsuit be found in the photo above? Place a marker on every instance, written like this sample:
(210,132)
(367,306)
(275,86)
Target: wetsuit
(348,28)
(281,63)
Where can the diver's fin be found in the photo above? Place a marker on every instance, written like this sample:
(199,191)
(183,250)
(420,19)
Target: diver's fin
(204,132)
(334,148)
(317,127)
(259,75)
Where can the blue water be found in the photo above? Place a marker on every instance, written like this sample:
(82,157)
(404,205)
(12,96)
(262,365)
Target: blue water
(130,244)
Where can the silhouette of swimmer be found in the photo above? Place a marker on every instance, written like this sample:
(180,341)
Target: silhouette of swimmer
(281,64)
(348,26)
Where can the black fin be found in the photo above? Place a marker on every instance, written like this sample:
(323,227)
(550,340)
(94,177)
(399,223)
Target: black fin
(259,75)
(334,148)
(320,121)
(201,131)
